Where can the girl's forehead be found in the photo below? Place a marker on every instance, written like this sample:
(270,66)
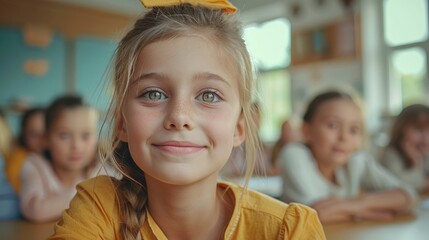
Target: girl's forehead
(420,121)
(185,50)
(78,115)
(338,107)
(340,103)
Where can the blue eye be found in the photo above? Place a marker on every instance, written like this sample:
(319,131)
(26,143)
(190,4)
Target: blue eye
(153,95)
(209,96)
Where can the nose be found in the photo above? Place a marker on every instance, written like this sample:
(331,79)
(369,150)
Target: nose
(180,114)
(343,134)
(76,143)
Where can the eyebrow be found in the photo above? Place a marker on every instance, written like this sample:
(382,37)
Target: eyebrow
(145,76)
(211,76)
(198,76)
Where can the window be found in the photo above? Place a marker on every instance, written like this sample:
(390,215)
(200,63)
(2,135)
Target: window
(269,47)
(406,40)
(274,90)
(409,69)
(405,21)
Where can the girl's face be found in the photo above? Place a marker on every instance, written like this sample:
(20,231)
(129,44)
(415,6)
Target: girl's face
(72,139)
(335,131)
(34,133)
(417,137)
(181,115)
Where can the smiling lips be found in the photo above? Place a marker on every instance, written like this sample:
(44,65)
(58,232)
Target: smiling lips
(340,151)
(175,147)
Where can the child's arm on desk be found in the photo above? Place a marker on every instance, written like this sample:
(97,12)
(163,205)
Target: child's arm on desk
(369,206)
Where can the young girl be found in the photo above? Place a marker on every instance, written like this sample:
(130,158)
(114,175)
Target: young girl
(330,174)
(49,184)
(182,101)
(407,155)
(31,140)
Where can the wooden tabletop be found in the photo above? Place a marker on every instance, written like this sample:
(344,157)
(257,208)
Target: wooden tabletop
(23,230)
(403,227)
(413,226)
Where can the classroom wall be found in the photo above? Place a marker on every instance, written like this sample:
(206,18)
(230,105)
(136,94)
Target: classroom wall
(77,66)
(79,49)
(92,57)
(18,85)
(15,82)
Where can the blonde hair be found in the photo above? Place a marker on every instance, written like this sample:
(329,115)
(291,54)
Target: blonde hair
(166,23)
(5,136)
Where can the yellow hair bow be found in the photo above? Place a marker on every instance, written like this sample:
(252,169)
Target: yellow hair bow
(215,4)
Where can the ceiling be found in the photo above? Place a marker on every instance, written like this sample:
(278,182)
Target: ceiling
(134,7)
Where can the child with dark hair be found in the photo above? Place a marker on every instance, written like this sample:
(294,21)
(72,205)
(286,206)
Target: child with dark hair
(407,154)
(48,185)
(31,139)
(328,172)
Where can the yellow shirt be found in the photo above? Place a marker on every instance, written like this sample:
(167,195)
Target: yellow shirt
(14,162)
(93,214)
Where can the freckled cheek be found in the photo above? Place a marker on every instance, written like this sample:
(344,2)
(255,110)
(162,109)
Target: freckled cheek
(141,124)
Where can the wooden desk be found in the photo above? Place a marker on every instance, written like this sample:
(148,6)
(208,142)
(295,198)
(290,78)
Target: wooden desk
(404,227)
(22,230)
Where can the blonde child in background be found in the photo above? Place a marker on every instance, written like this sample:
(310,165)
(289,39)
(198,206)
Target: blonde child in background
(328,172)
(5,136)
(30,140)
(183,82)
(407,155)
(48,185)
(9,205)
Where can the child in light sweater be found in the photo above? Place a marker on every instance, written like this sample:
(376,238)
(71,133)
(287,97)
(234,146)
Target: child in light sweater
(48,182)
(407,155)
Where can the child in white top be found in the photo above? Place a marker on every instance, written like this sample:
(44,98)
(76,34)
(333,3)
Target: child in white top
(48,184)
(330,174)
(407,155)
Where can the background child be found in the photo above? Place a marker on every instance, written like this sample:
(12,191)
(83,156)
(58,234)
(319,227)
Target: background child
(330,174)
(30,140)
(9,206)
(183,83)
(49,184)
(287,135)
(5,135)
(407,155)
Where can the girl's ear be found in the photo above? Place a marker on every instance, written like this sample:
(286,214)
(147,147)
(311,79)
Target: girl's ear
(239,133)
(122,133)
